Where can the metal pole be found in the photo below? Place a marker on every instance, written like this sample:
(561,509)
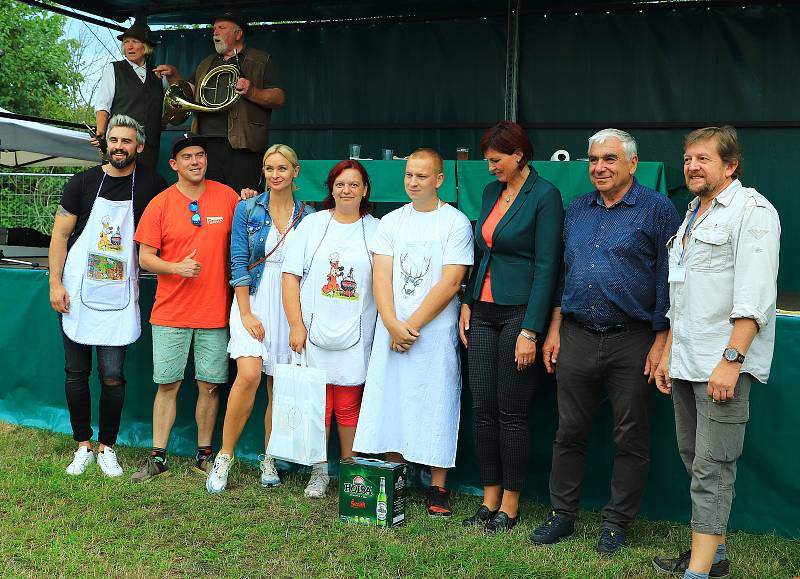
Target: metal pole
(73,14)
(512,60)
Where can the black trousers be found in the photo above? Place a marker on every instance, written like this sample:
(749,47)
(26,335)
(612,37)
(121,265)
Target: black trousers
(237,168)
(501,395)
(590,368)
(110,366)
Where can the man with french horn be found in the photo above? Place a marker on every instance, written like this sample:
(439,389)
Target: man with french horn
(234,90)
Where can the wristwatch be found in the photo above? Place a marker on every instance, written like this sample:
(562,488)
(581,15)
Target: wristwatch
(733,355)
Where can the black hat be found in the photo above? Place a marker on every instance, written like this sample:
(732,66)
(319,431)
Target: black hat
(238,20)
(139,30)
(187,140)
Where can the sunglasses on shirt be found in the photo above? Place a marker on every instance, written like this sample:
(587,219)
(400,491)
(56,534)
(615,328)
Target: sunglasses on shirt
(195,209)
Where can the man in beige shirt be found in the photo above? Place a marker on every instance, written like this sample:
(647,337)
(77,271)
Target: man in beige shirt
(723,287)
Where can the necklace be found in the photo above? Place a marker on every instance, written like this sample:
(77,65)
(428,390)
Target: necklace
(510,195)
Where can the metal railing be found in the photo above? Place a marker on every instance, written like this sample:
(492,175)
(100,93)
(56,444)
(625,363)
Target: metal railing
(30,199)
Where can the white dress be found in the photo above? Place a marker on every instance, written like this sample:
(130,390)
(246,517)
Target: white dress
(267,306)
(334,263)
(412,400)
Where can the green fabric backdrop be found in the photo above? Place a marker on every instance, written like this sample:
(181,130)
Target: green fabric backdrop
(571,178)
(680,63)
(386,178)
(32,394)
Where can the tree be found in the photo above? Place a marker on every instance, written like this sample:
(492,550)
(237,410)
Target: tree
(40,73)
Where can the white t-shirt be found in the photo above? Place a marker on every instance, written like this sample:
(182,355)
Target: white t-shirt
(421,243)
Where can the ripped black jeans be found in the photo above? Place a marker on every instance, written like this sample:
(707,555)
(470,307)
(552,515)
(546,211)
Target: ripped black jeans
(110,367)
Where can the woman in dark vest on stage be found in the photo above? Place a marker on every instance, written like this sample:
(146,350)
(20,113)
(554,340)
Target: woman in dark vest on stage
(128,87)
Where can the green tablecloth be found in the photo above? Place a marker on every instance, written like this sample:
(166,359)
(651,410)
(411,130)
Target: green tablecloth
(386,178)
(571,178)
(768,483)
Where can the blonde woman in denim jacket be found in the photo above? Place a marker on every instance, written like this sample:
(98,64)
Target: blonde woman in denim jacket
(259,330)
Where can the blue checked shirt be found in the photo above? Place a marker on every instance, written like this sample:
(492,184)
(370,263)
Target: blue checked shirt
(616,260)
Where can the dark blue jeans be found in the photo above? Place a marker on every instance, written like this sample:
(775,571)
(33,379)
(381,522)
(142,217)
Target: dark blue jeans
(110,367)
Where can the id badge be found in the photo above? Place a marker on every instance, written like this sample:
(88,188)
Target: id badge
(677,273)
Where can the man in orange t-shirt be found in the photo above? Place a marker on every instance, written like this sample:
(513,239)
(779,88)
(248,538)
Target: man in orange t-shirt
(184,237)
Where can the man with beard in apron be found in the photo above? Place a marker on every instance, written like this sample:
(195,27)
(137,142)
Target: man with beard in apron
(411,404)
(94,284)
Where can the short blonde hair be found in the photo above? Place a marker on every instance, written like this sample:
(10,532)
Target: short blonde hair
(284,150)
(432,154)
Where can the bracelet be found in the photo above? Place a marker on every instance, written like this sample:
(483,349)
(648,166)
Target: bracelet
(528,336)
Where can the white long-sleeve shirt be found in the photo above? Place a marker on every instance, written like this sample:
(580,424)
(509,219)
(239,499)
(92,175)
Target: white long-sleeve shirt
(104,96)
(731,271)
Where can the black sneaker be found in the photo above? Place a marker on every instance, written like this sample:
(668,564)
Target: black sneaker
(555,528)
(500,523)
(680,564)
(438,502)
(204,464)
(481,517)
(610,542)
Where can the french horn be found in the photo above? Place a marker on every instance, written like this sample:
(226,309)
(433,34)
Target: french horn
(179,99)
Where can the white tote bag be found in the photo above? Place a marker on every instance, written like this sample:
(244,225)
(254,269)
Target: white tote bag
(298,413)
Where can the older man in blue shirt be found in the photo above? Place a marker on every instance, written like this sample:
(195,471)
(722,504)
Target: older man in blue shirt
(607,336)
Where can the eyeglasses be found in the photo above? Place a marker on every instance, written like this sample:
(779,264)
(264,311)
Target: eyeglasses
(195,209)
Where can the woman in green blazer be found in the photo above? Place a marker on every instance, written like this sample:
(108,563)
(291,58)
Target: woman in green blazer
(506,306)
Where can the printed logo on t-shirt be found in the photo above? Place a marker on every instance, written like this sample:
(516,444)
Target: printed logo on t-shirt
(110,237)
(333,288)
(214,220)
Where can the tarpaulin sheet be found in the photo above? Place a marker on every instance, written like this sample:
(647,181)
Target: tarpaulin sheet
(32,394)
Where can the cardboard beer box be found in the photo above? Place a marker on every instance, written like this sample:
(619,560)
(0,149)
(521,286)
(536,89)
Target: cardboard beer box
(372,492)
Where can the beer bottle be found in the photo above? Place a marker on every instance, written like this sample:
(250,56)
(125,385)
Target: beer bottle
(380,510)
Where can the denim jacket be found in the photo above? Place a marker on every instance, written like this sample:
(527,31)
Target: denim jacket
(251,224)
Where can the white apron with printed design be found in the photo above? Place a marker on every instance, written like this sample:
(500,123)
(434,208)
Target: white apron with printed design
(101,276)
(340,315)
(411,401)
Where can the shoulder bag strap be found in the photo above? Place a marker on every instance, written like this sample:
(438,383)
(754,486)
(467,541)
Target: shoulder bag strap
(277,245)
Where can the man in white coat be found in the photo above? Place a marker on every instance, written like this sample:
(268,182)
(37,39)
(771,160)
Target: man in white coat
(411,405)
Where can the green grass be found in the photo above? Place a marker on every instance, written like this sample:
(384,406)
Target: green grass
(54,525)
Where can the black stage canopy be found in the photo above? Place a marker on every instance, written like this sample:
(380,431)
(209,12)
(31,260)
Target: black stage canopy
(255,11)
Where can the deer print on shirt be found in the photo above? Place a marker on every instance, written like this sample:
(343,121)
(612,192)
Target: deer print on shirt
(412,277)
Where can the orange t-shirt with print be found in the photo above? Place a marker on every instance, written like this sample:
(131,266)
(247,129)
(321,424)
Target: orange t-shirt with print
(198,302)
(487,231)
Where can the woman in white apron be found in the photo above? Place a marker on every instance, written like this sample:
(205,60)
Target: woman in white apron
(411,404)
(262,226)
(327,295)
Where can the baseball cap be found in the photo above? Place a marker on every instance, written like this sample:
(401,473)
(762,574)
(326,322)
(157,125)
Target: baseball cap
(187,140)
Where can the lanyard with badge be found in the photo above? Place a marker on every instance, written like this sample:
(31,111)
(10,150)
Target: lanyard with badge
(677,273)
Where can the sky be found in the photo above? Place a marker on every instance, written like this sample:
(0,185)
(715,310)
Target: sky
(101,47)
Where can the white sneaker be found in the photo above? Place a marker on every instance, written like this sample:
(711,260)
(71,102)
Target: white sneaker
(218,477)
(269,474)
(83,458)
(318,485)
(108,463)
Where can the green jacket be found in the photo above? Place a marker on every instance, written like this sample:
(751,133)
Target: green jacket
(526,250)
